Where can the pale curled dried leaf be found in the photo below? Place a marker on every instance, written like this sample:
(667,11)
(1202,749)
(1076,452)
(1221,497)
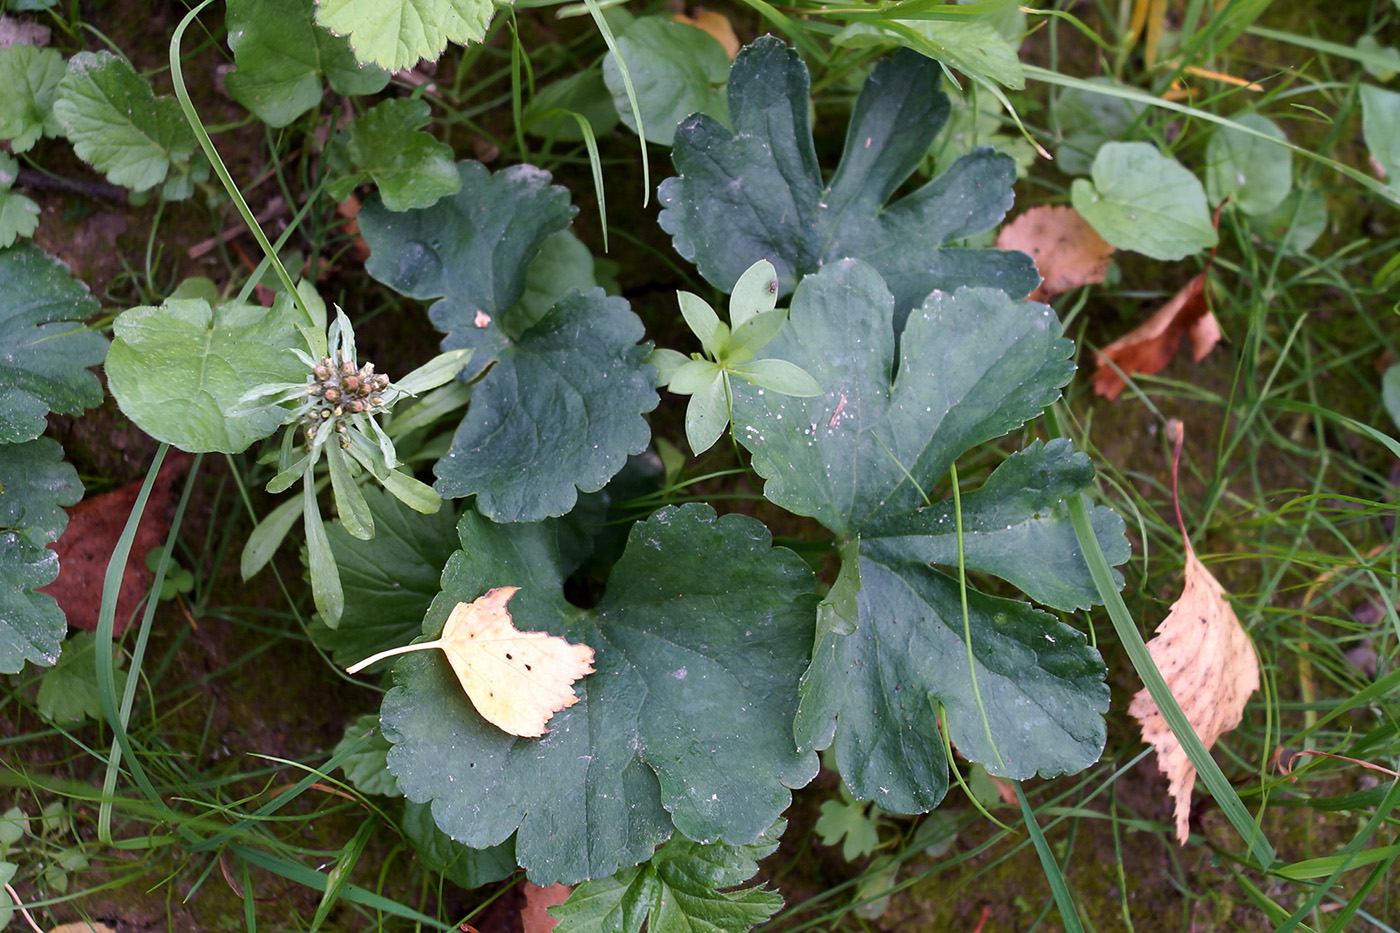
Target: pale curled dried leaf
(516,680)
(1149,347)
(1208,661)
(1067,251)
(717,25)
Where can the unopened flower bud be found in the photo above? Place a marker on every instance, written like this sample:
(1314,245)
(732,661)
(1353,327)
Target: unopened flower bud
(332,394)
(351,383)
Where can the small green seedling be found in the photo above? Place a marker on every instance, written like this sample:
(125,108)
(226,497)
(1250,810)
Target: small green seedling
(729,351)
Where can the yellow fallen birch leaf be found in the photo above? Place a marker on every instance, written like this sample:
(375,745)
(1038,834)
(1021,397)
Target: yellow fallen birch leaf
(717,25)
(1209,664)
(516,680)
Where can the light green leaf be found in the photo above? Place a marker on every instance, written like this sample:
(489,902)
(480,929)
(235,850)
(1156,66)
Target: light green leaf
(1390,393)
(1374,51)
(777,375)
(68,691)
(411,169)
(1086,120)
(563,263)
(755,292)
(677,891)
(846,822)
(677,69)
(973,46)
(178,370)
(438,371)
(365,768)
(667,363)
(350,502)
(865,459)
(1380,125)
(395,34)
(1144,201)
(707,415)
(30,77)
(583,93)
(282,55)
(686,723)
(19,216)
(701,319)
(752,335)
(118,125)
(44,347)
(7,903)
(694,376)
(756,191)
(1296,223)
(1255,174)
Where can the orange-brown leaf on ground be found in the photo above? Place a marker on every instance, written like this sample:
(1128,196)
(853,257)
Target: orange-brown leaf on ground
(516,680)
(535,918)
(1067,251)
(717,25)
(94,525)
(1149,347)
(1209,665)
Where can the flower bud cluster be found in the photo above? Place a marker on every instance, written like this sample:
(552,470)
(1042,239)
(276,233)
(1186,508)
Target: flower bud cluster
(338,389)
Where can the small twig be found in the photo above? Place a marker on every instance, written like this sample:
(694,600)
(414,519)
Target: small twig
(274,207)
(29,178)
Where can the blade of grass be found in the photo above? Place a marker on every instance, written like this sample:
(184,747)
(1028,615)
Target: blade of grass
(1053,875)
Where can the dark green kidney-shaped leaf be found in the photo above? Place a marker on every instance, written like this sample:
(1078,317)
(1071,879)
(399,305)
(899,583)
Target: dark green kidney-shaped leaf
(282,55)
(686,723)
(394,34)
(30,77)
(35,487)
(365,768)
(1296,223)
(118,125)
(757,193)
(1144,201)
(31,624)
(465,867)
(677,69)
(44,348)
(178,370)
(1253,173)
(677,890)
(411,169)
(861,459)
(389,581)
(561,408)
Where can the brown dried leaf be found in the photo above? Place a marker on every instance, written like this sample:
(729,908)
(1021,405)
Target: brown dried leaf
(1149,347)
(535,917)
(1208,662)
(717,25)
(1067,251)
(94,525)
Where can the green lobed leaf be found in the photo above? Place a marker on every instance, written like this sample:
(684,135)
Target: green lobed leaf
(677,69)
(44,348)
(179,370)
(560,409)
(282,55)
(35,487)
(394,34)
(1253,173)
(861,459)
(33,625)
(19,216)
(757,192)
(30,77)
(1380,126)
(1144,201)
(411,169)
(677,891)
(583,93)
(465,867)
(685,724)
(388,582)
(118,125)
(847,823)
(68,691)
